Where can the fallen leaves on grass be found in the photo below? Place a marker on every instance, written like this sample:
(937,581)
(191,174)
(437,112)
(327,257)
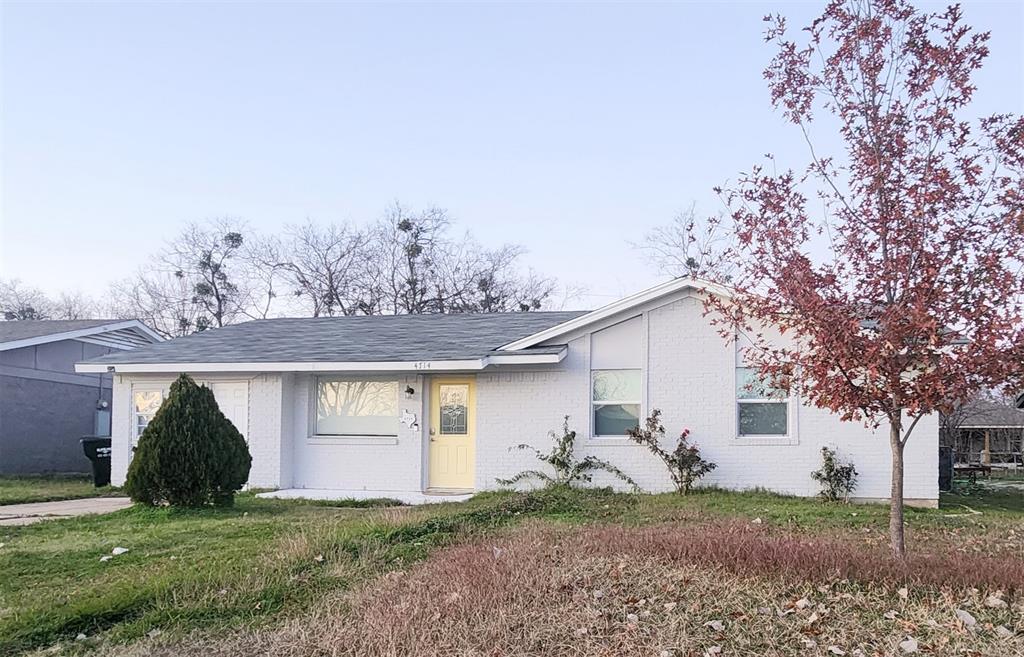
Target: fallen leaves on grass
(966,618)
(909,646)
(649,591)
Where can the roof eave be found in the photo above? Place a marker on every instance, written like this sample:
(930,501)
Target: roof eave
(977,427)
(458,365)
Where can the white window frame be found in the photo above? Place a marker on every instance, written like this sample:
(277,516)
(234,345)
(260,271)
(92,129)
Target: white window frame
(607,402)
(162,388)
(316,438)
(788,438)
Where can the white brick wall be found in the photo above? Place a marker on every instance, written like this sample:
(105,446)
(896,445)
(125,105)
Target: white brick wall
(121,419)
(690,376)
(263,433)
(358,464)
(286,429)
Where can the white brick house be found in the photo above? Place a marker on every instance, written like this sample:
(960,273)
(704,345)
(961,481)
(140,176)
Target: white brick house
(414,406)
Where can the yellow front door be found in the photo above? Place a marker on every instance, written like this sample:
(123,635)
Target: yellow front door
(452,433)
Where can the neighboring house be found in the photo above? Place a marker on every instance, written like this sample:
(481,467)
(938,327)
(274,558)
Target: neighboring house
(986,432)
(45,406)
(431,404)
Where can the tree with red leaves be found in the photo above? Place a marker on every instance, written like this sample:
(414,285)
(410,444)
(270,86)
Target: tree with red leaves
(916,299)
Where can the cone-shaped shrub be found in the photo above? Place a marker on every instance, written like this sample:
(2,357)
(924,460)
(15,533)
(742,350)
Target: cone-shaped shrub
(190,454)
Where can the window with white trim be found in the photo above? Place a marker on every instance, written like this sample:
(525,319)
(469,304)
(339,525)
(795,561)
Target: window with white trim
(616,380)
(762,411)
(616,398)
(145,403)
(356,408)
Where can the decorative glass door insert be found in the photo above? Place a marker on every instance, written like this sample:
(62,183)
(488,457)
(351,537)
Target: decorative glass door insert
(454,408)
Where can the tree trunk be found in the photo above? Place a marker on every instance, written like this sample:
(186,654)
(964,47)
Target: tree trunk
(896,539)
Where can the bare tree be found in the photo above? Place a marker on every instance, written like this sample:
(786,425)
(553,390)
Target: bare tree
(159,298)
(262,278)
(406,263)
(403,251)
(201,279)
(473,279)
(18,301)
(322,266)
(414,266)
(206,257)
(219,272)
(690,246)
(75,305)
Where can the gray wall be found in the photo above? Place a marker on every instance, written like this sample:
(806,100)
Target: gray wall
(45,407)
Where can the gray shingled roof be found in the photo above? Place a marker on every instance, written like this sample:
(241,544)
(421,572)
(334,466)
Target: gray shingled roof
(35,328)
(348,339)
(982,413)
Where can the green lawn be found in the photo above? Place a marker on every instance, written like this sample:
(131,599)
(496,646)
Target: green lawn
(19,490)
(990,497)
(267,561)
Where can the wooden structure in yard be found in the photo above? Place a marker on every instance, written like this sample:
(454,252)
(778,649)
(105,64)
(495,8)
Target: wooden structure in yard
(987,434)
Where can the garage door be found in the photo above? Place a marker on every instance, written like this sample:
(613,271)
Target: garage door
(233,399)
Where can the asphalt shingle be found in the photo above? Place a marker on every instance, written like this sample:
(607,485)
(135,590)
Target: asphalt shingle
(348,339)
(35,328)
(982,413)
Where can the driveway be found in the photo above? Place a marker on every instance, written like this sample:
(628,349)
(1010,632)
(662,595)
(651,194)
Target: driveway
(26,514)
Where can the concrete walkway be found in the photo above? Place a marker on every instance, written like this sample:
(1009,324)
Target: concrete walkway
(26,514)
(405,497)
(996,484)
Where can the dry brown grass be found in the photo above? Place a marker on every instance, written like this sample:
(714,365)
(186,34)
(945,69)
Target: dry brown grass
(659,590)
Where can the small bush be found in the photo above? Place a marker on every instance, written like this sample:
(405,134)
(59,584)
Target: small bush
(568,470)
(685,464)
(837,478)
(190,455)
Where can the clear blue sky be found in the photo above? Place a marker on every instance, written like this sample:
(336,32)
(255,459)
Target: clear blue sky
(571,129)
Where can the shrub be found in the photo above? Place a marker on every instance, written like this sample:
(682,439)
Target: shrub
(685,464)
(837,478)
(568,470)
(190,455)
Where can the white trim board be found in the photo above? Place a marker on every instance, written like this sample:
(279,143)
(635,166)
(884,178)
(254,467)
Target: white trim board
(616,308)
(473,364)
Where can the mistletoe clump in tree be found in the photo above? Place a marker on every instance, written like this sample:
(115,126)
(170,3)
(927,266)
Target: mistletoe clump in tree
(190,455)
(561,458)
(904,294)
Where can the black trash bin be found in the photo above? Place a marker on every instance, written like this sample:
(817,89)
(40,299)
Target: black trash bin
(97,448)
(945,468)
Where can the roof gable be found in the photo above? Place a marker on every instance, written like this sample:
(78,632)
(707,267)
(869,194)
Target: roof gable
(618,308)
(114,333)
